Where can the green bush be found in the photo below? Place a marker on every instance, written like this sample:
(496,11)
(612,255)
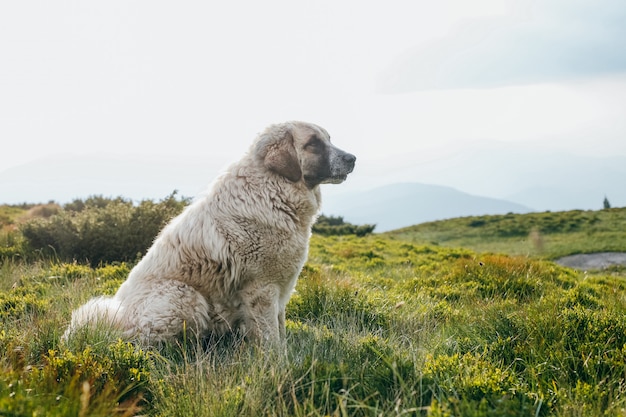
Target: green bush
(336,226)
(95,383)
(100,230)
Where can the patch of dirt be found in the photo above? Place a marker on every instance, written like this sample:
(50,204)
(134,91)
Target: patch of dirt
(593,260)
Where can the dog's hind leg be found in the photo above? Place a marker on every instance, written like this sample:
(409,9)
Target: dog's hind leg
(168,310)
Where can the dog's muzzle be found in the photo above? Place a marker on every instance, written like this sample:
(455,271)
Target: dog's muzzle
(341,164)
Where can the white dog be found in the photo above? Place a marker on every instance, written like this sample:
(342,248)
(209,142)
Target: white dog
(230,260)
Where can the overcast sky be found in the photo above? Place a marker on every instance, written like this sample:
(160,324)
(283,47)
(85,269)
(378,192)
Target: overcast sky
(199,78)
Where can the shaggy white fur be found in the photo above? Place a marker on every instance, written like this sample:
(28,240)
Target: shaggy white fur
(230,261)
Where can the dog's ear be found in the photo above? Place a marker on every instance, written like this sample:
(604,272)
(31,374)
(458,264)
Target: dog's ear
(280,156)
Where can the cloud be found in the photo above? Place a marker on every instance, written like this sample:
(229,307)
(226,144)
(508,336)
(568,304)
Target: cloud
(549,42)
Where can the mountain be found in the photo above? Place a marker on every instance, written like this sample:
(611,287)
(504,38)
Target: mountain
(399,205)
(534,175)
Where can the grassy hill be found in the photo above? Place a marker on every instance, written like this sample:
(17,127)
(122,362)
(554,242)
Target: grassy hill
(549,235)
(404,323)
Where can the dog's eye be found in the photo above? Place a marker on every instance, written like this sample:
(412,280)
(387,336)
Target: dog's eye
(314,144)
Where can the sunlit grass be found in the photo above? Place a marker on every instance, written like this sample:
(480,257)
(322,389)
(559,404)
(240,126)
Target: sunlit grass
(377,326)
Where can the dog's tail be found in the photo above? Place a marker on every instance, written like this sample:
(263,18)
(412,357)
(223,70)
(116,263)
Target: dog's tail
(100,311)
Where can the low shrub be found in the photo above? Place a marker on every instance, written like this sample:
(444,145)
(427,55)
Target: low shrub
(336,226)
(100,230)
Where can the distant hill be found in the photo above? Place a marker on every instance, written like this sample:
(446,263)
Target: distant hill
(400,205)
(546,234)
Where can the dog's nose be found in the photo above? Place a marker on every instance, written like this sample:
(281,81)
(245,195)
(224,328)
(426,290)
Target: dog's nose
(349,158)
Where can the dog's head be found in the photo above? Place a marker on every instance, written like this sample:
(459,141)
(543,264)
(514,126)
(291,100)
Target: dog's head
(302,151)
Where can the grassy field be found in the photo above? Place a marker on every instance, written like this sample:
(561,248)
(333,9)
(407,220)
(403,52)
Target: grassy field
(417,322)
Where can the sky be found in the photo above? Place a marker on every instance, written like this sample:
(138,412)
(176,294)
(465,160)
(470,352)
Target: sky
(389,80)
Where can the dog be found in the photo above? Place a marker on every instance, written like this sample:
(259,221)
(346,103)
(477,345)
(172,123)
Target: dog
(230,261)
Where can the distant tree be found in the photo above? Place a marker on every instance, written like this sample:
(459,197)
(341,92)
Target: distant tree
(606,203)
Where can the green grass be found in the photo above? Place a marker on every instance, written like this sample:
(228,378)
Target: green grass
(379,326)
(548,234)
(9,214)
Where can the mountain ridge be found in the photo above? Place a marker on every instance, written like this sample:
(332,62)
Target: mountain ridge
(404,204)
